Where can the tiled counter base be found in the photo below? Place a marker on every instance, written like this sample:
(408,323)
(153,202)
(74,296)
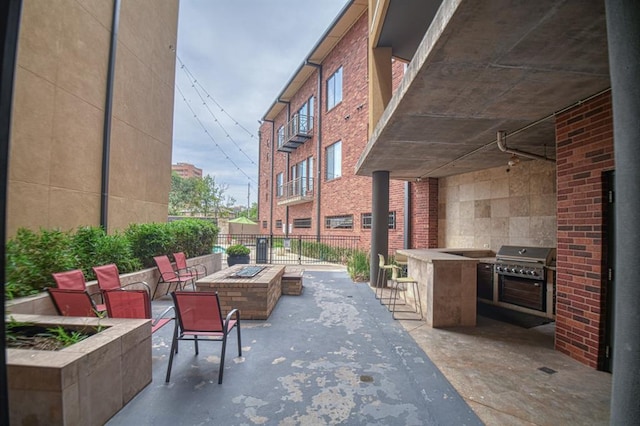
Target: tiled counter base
(255,297)
(85,383)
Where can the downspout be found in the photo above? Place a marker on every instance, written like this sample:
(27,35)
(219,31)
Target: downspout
(317,181)
(501,140)
(273,142)
(108,111)
(407,215)
(286,209)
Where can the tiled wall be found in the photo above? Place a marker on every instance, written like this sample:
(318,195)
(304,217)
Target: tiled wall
(493,207)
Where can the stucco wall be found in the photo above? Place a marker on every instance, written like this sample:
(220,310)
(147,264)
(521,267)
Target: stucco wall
(493,207)
(55,162)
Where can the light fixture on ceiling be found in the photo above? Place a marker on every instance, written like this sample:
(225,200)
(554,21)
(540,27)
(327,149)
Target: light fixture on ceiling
(513,161)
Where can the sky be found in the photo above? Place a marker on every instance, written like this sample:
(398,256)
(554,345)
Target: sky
(233,59)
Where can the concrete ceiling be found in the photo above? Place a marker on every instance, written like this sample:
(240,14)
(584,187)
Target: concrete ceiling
(484,66)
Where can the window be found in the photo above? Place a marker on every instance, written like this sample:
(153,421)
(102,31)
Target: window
(305,115)
(366,221)
(334,89)
(280,136)
(279,223)
(279,185)
(304,223)
(264,224)
(302,176)
(339,222)
(334,161)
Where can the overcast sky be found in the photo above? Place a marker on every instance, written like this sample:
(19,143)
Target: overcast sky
(241,53)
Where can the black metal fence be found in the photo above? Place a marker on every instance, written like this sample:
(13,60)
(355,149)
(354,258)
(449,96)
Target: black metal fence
(298,250)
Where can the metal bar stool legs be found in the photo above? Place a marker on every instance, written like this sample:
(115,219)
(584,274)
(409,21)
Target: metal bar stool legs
(381,281)
(397,282)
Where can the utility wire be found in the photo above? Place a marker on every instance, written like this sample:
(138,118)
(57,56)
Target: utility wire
(211,136)
(195,82)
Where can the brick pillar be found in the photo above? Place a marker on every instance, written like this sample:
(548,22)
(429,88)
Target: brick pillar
(424,214)
(584,138)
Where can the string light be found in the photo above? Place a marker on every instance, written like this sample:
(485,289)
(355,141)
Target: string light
(211,137)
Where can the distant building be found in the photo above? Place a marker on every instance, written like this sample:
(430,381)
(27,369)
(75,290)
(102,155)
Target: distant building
(186,170)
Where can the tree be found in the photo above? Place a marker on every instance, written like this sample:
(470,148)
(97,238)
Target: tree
(252,213)
(197,196)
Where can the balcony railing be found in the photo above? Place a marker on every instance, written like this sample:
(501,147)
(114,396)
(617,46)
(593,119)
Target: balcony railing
(297,191)
(296,132)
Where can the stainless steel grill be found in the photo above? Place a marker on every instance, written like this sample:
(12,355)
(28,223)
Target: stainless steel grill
(522,275)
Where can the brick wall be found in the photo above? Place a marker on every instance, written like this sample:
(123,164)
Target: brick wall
(584,137)
(424,213)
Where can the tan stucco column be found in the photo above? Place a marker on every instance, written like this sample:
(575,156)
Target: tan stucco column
(379,83)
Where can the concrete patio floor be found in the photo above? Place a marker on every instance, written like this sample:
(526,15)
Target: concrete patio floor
(334,355)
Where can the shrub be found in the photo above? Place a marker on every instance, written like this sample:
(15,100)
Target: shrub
(149,240)
(358,265)
(238,250)
(32,257)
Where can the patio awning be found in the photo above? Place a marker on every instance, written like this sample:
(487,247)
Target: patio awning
(482,67)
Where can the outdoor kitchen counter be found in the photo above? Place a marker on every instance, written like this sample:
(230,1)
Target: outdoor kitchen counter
(447,283)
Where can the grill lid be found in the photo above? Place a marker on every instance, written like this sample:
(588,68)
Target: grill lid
(543,255)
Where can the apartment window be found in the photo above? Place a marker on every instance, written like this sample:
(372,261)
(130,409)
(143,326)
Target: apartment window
(366,221)
(334,160)
(264,224)
(305,115)
(339,222)
(280,136)
(279,223)
(334,89)
(304,223)
(302,176)
(279,185)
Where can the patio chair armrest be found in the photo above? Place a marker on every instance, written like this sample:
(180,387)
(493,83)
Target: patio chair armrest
(138,283)
(162,315)
(98,294)
(229,315)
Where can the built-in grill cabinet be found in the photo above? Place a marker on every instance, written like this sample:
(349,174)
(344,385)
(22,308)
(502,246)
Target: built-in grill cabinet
(485,281)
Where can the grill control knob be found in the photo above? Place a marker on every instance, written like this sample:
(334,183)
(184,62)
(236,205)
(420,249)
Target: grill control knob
(499,268)
(534,273)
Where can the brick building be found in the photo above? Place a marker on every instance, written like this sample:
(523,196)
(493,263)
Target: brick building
(540,71)
(311,138)
(186,170)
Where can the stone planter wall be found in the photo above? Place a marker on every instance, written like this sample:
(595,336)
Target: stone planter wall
(83,384)
(41,304)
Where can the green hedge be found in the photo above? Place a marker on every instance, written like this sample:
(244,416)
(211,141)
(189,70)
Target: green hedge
(31,257)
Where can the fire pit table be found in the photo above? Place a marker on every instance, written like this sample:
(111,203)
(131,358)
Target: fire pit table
(253,289)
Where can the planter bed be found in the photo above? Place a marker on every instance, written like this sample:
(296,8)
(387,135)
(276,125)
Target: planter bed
(85,383)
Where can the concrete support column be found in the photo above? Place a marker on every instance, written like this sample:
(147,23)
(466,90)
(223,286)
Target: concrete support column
(380,83)
(379,221)
(623,32)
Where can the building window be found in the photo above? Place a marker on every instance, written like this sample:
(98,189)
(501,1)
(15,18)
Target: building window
(305,115)
(279,223)
(334,161)
(366,221)
(264,224)
(302,176)
(334,89)
(339,222)
(280,136)
(304,223)
(279,185)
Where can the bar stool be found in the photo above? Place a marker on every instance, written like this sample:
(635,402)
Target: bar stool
(382,277)
(404,282)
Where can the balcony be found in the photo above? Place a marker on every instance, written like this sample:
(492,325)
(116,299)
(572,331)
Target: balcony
(297,191)
(296,132)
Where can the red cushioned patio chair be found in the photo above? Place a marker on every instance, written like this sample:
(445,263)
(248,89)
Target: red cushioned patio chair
(168,276)
(134,304)
(196,271)
(198,315)
(73,303)
(74,280)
